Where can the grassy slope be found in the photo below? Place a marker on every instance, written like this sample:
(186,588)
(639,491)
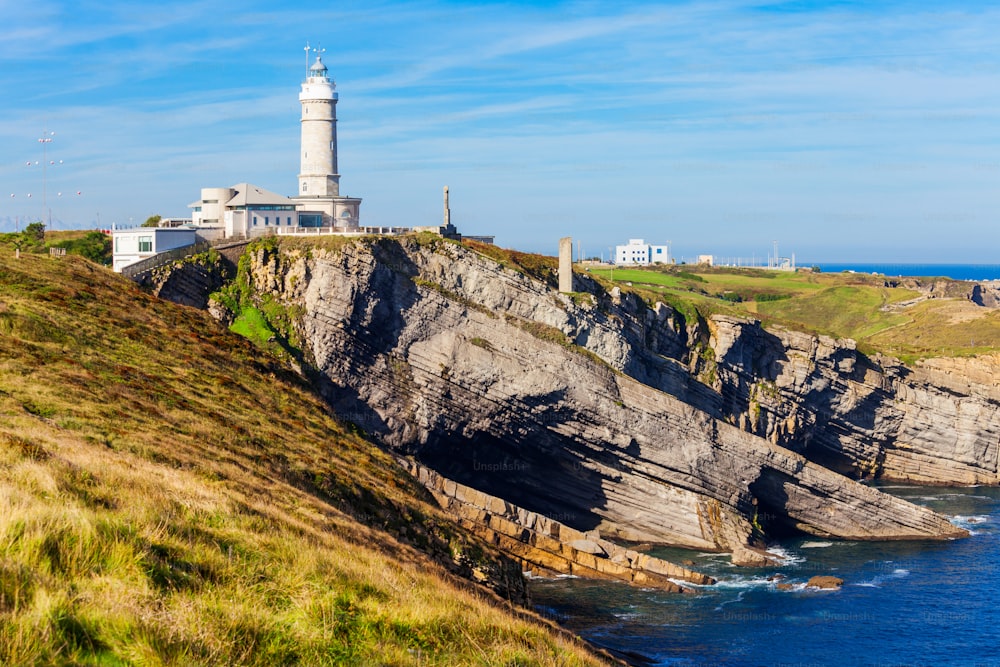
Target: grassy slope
(841,305)
(169,495)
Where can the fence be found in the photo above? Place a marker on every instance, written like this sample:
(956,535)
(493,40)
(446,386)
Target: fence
(159,259)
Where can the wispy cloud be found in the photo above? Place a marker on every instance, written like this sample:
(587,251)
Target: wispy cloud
(746,119)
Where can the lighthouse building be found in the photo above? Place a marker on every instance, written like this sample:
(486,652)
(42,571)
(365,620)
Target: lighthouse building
(319,180)
(245,210)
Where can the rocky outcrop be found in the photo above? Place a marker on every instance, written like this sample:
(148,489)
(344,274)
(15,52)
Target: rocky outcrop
(825,581)
(986,294)
(189,281)
(580,408)
(937,423)
(544,545)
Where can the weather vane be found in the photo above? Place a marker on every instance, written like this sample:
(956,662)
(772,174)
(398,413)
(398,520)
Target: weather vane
(308,49)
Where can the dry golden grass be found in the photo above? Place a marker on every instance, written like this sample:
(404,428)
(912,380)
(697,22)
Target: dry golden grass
(171,496)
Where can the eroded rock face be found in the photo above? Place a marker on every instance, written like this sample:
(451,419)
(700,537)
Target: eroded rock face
(568,408)
(938,423)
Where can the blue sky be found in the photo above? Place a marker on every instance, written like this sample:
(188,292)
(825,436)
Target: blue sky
(845,130)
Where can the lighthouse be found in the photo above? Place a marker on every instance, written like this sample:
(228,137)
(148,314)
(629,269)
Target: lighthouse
(319,180)
(318,175)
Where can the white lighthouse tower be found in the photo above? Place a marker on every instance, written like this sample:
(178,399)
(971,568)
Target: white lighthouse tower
(319,181)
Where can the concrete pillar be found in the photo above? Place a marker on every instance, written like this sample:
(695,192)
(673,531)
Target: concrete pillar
(566,264)
(447,209)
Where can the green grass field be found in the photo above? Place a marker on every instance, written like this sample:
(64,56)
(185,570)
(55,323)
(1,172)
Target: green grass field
(841,305)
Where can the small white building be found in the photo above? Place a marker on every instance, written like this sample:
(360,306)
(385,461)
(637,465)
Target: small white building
(245,211)
(138,243)
(638,252)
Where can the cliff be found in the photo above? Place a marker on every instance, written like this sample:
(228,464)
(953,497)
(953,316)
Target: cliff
(582,408)
(935,423)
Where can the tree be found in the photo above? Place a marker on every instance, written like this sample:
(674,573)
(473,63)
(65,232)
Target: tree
(35,232)
(152,221)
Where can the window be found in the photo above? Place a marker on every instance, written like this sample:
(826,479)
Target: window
(267,221)
(311,220)
(145,244)
(289,221)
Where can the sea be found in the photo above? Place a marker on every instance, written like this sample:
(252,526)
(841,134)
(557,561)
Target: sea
(977,272)
(902,603)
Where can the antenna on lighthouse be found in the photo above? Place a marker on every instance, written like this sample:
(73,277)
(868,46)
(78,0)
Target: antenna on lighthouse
(308,49)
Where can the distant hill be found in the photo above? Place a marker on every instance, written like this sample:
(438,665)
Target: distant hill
(172,495)
(908,318)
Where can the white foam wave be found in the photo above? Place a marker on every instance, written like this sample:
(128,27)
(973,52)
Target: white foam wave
(742,583)
(786,557)
(739,598)
(877,581)
(815,545)
(968,521)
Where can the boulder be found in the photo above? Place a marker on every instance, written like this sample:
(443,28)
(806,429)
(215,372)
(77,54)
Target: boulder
(825,581)
(589,547)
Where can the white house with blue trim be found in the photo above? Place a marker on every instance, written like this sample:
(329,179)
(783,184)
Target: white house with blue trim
(638,252)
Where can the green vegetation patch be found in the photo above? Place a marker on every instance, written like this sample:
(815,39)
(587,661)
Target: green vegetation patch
(845,312)
(93,245)
(841,305)
(260,316)
(539,267)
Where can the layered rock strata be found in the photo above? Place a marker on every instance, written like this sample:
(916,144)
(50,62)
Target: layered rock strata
(565,405)
(542,544)
(937,423)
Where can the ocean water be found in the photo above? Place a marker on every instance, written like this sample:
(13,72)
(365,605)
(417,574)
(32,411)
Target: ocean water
(902,603)
(955,271)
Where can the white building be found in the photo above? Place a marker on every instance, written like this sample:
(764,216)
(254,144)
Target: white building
(246,210)
(138,243)
(637,251)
